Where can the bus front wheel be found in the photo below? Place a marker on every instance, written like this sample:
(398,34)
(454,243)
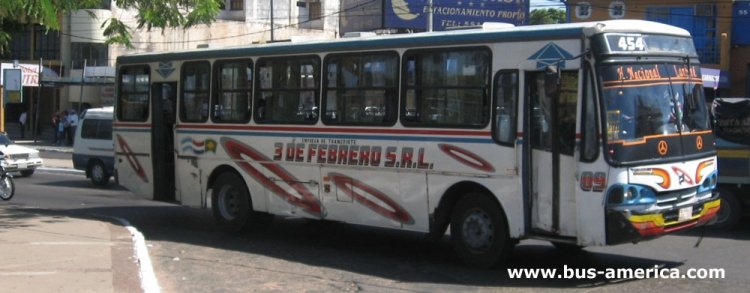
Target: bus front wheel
(479,231)
(230,202)
(730,210)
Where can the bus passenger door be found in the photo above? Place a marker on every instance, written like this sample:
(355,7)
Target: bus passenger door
(550,135)
(163,97)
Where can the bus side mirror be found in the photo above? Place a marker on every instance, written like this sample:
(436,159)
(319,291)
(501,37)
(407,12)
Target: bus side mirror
(552,81)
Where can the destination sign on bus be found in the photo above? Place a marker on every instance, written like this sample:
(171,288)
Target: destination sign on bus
(621,75)
(641,43)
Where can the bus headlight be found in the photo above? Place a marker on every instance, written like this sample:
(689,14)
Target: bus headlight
(709,183)
(627,195)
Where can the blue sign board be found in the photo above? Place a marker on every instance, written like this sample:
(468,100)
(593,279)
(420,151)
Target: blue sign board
(412,14)
(740,22)
(714,78)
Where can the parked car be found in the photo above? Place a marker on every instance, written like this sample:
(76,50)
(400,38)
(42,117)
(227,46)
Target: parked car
(16,158)
(93,150)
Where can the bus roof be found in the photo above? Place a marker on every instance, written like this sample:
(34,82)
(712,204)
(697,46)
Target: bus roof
(454,37)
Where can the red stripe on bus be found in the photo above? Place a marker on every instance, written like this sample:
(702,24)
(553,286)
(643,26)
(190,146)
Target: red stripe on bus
(138,125)
(335,130)
(391,210)
(307,202)
(134,163)
(461,155)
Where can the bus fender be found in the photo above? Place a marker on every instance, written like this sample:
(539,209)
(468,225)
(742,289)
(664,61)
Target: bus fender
(441,216)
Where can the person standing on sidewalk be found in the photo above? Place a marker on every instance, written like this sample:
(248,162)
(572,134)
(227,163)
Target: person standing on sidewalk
(22,123)
(60,129)
(72,123)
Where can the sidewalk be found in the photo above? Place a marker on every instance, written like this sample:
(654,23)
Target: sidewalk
(47,251)
(50,251)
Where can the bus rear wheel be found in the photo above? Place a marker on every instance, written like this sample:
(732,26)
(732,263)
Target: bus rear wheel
(230,202)
(479,231)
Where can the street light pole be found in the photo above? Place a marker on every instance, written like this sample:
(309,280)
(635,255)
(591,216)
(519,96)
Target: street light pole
(38,102)
(429,15)
(83,78)
(271,20)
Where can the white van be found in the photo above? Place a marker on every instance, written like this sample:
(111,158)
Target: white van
(93,149)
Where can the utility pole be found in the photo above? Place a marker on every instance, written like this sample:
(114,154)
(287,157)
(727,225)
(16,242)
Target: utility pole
(429,15)
(83,78)
(271,20)
(38,102)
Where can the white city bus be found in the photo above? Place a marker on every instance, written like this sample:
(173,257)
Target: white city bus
(579,134)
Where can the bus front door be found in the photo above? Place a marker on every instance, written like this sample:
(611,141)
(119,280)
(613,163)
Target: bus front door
(550,179)
(163,97)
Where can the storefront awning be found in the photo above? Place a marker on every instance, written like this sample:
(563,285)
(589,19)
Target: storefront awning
(30,73)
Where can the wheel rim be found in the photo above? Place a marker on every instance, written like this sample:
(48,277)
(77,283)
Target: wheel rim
(97,173)
(478,230)
(227,203)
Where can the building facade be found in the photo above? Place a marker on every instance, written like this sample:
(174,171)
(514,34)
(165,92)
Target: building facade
(240,22)
(79,55)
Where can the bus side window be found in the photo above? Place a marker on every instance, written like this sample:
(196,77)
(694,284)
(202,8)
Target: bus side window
(133,101)
(506,101)
(195,90)
(411,113)
(287,90)
(447,87)
(233,85)
(360,89)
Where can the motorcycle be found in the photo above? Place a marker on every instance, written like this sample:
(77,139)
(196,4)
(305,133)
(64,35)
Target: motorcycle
(7,186)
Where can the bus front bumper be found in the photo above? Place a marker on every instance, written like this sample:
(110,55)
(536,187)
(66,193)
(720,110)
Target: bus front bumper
(625,227)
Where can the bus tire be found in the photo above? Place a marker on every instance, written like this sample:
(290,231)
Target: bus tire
(479,231)
(230,202)
(730,210)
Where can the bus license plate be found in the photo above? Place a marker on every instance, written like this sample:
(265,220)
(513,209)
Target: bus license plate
(685,214)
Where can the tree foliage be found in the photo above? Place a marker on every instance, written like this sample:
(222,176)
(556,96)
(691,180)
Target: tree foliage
(150,14)
(547,16)
(160,14)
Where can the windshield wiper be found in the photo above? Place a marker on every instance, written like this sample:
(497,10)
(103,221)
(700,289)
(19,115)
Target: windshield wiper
(675,104)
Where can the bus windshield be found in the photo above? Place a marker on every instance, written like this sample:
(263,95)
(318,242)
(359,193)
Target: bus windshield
(651,100)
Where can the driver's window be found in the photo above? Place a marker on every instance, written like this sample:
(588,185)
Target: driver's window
(566,111)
